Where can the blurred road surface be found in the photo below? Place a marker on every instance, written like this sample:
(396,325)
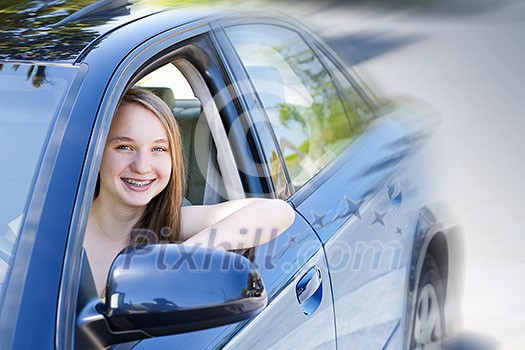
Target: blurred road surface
(469,64)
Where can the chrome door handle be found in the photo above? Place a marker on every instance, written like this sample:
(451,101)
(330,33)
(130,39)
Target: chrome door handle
(394,193)
(309,290)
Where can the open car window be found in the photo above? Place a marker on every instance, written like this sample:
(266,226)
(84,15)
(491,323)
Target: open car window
(210,175)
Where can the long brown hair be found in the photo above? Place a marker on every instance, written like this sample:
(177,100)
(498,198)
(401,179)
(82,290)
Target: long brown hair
(162,216)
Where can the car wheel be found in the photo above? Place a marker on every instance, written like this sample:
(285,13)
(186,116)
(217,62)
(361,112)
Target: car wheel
(429,317)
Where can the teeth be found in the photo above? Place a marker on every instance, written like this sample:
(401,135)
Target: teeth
(138,183)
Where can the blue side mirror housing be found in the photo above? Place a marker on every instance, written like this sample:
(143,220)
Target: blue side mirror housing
(163,289)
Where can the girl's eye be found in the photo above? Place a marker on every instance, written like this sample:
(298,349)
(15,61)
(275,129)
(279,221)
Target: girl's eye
(159,149)
(124,147)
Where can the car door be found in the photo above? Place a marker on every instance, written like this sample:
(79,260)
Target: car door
(344,168)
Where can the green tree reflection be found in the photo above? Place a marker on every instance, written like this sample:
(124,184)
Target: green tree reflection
(32,29)
(28,33)
(36,74)
(324,123)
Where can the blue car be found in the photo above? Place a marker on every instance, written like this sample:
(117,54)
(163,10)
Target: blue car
(266,110)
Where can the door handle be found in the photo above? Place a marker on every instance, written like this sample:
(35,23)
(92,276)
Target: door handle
(309,290)
(394,193)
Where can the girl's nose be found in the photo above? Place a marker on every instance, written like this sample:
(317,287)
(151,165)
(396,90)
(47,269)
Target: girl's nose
(141,163)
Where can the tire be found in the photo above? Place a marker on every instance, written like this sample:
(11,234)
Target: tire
(428,327)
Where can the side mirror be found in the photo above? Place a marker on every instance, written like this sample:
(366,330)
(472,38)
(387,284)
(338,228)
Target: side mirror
(163,289)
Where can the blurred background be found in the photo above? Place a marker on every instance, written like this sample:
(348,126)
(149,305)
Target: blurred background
(465,59)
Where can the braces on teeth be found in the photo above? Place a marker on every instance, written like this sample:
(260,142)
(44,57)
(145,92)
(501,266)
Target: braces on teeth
(138,183)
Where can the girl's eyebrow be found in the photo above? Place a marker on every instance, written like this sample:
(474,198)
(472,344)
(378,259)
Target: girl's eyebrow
(129,139)
(121,138)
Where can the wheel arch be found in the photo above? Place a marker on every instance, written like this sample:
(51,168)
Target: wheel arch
(430,237)
(438,248)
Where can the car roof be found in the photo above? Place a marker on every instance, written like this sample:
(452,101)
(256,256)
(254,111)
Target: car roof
(60,31)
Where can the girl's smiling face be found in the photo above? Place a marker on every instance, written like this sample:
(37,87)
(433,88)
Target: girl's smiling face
(136,165)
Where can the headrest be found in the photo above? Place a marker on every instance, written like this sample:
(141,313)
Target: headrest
(187,109)
(165,93)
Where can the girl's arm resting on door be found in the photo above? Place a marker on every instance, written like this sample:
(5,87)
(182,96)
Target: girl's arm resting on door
(236,224)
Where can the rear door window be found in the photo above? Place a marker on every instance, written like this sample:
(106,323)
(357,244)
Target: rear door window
(298,95)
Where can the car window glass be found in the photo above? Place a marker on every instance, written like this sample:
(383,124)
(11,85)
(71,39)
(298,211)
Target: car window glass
(298,95)
(359,112)
(30,97)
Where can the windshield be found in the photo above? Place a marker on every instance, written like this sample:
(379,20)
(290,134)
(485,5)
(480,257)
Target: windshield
(30,97)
